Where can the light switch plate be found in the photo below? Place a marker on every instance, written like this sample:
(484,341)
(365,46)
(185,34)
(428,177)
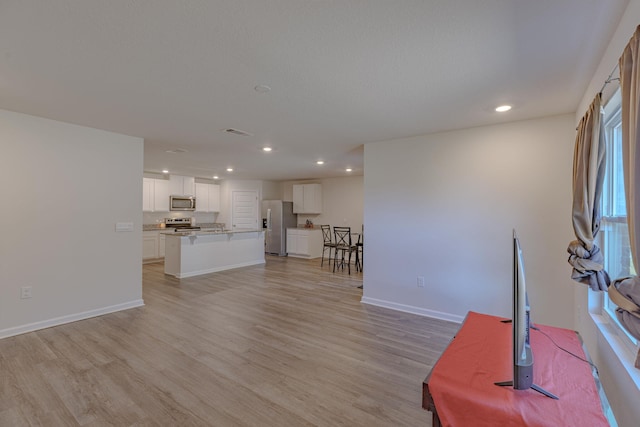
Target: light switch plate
(124,226)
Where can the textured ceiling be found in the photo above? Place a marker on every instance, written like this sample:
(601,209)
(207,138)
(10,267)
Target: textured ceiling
(342,72)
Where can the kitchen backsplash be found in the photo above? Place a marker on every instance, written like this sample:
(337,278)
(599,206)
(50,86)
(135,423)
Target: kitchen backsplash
(158,217)
(318,220)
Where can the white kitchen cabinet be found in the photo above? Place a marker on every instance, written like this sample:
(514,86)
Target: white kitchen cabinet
(207,197)
(202,197)
(182,185)
(307,198)
(292,241)
(153,245)
(161,244)
(304,242)
(149,245)
(155,195)
(298,199)
(214,198)
(160,195)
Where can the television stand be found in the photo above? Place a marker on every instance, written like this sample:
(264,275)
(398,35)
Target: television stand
(460,388)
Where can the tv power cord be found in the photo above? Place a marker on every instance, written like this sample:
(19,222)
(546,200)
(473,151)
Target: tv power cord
(535,328)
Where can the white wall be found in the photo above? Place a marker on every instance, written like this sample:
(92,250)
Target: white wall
(619,377)
(271,190)
(64,187)
(443,206)
(342,201)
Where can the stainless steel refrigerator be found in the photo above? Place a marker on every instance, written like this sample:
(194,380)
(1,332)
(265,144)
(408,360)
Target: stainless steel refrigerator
(277,216)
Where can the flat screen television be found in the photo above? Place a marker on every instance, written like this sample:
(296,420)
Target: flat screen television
(521,324)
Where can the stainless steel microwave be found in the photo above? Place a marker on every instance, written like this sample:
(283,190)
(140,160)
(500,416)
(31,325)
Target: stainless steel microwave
(182,203)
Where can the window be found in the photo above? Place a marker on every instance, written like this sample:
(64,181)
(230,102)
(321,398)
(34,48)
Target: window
(614,230)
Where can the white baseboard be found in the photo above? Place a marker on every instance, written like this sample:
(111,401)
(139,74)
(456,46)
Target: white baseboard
(303,256)
(413,310)
(215,269)
(30,327)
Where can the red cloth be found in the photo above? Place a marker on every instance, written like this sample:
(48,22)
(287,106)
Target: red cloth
(464,393)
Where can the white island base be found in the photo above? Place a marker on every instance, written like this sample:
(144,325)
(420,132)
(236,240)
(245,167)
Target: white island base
(196,253)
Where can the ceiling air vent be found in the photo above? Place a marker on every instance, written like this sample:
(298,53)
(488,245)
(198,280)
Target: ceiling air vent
(237,132)
(177,151)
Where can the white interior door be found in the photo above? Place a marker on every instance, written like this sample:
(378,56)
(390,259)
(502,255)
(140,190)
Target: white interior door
(244,209)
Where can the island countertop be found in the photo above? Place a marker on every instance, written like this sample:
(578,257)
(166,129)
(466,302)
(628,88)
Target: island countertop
(196,252)
(205,232)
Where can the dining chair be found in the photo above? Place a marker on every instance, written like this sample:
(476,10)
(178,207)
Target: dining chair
(344,246)
(328,242)
(360,250)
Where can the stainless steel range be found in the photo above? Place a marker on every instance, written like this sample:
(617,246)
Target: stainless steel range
(180,224)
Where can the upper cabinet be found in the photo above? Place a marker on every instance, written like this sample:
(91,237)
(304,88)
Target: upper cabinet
(307,198)
(161,195)
(155,195)
(182,185)
(207,197)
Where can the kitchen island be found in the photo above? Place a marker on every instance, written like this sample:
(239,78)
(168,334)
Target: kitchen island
(200,252)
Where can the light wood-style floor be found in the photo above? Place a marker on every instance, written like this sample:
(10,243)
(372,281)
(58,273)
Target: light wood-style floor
(286,344)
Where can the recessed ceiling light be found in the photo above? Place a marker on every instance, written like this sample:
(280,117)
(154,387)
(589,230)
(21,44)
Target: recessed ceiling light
(348,169)
(215,176)
(262,89)
(503,108)
(267,149)
(320,162)
(229,169)
(165,171)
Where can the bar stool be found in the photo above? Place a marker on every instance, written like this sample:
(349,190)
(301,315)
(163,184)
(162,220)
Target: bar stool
(360,250)
(344,246)
(328,242)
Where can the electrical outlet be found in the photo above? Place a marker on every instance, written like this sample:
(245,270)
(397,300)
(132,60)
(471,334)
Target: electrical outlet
(421,281)
(25,292)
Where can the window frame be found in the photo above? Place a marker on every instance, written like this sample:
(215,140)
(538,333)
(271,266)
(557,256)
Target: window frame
(612,119)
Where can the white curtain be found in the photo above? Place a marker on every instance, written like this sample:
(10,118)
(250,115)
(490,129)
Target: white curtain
(625,292)
(588,175)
